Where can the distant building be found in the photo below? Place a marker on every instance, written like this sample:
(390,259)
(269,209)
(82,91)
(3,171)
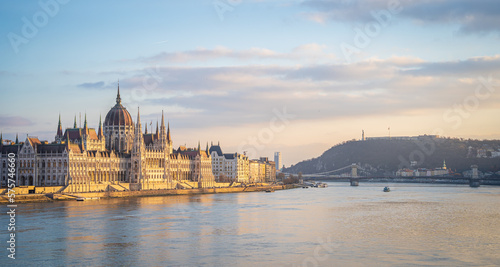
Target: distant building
(230,166)
(270,169)
(403,138)
(257,171)
(495,154)
(278,160)
(443,171)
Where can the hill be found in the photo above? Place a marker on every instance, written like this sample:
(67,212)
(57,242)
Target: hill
(386,156)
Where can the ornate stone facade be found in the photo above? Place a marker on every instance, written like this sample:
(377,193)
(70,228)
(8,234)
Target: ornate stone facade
(116,157)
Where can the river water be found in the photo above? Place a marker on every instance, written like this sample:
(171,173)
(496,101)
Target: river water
(414,224)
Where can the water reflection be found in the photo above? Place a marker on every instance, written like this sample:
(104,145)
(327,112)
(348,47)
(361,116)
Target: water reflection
(416,225)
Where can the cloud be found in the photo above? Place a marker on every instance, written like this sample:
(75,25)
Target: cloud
(14,121)
(239,95)
(306,52)
(203,54)
(471,16)
(95,85)
(469,67)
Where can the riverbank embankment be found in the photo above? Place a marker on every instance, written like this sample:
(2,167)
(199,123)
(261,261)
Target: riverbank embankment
(29,198)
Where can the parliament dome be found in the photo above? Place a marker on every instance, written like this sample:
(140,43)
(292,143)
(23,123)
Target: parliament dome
(118,115)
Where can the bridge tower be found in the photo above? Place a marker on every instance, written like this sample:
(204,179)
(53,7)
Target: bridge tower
(474,181)
(354,175)
(354,170)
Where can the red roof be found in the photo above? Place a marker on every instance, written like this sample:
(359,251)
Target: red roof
(118,115)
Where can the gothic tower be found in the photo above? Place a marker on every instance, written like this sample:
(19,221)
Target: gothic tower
(138,151)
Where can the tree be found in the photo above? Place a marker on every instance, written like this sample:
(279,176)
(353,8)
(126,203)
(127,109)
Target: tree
(224,179)
(291,180)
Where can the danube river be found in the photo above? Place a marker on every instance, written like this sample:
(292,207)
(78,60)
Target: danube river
(414,224)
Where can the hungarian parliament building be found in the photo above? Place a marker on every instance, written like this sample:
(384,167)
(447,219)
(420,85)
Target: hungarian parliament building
(120,156)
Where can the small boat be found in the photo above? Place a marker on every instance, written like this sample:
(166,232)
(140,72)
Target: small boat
(270,190)
(87,198)
(321,185)
(387,189)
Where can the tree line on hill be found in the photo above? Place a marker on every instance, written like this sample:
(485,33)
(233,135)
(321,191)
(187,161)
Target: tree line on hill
(385,157)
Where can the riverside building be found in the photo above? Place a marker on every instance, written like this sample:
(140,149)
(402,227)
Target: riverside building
(118,156)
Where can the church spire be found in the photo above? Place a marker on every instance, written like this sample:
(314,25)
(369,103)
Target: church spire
(118,98)
(207,148)
(199,149)
(1,139)
(146,128)
(74,124)
(17,138)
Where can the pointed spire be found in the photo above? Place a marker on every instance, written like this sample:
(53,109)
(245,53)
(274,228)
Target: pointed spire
(157,129)
(168,132)
(146,128)
(218,143)
(118,98)
(1,139)
(17,138)
(199,149)
(162,120)
(85,129)
(138,139)
(163,134)
(207,148)
(139,119)
(100,134)
(59,127)
(74,124)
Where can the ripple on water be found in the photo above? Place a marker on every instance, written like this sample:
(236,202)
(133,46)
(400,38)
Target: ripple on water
(354,226)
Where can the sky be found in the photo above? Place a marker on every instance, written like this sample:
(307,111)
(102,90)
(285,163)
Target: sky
(257,76)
